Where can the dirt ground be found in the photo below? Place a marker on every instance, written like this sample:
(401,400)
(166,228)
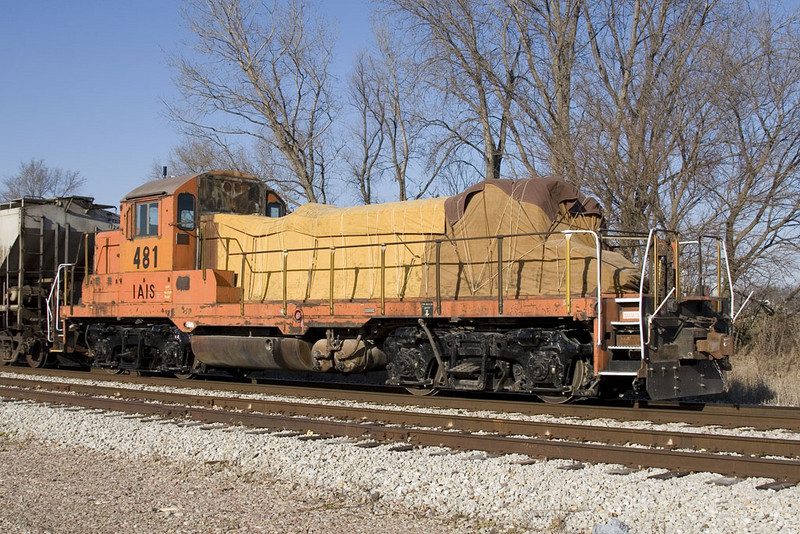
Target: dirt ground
(46,488)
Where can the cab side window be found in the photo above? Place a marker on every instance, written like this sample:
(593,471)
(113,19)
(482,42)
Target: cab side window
(186,211)
(147,219)
(274,209)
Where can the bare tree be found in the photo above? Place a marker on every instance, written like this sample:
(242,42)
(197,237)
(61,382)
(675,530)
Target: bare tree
(362,161)
(755,196)
(261,72)
(397,86)
(670,112)
(646,141)
(35,179)
(459,46)
(547,33)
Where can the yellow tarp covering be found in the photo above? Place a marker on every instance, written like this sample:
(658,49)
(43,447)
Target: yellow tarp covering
(467,225)
(309,233)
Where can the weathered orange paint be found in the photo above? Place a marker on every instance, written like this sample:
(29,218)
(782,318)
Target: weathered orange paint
(173,287)
(171,254)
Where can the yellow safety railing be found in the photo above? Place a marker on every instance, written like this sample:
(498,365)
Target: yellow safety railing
(502,265)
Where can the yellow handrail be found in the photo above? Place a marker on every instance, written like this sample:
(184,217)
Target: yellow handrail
(331,273)
(285,281)
(568,273)
(383,278)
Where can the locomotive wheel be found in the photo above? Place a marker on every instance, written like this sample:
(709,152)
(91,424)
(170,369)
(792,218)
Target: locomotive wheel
(423,392)
(184,376)
(36,359)
(436,373)
(196,369)
(555,399)
(577,380)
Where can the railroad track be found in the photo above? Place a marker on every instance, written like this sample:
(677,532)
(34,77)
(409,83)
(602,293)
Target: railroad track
(678,452)
(694,414)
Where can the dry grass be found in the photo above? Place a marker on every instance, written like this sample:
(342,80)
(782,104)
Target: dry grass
(761,378)
(766,367)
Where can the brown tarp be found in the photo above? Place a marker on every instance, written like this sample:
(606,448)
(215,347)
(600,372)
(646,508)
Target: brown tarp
(467,225)
(546,193)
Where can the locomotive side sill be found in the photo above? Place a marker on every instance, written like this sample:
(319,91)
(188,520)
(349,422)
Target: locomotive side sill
(618,373)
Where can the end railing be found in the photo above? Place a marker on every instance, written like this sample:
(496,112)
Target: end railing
(54,301)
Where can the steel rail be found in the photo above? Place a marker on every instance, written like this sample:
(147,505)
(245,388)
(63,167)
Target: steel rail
(698,414)
(741,466)
(463,423)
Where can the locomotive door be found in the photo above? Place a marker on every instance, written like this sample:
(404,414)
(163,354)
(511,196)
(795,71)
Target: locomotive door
(185,243)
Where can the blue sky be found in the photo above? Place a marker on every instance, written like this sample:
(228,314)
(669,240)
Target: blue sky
(83,83)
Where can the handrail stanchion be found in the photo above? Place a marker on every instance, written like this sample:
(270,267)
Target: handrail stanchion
(383,278)
(651,236)
(72,289)
(438,276)
(676,263)
(568,274)
(730,278)
(719,276)
(201,250)
(700,284)
(600,326)
(227,252)
(285,310)
(656,270)
(331,281)
(241,302)
(499,275)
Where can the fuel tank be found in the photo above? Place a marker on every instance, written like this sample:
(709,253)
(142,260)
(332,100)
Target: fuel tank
(268,353)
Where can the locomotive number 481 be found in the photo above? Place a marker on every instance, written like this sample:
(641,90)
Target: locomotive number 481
(144,257)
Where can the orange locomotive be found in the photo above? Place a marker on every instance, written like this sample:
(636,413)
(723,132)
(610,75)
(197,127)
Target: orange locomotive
(510,286)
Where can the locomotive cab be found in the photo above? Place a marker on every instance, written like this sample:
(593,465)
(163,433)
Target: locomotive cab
(160,219)
(152,266)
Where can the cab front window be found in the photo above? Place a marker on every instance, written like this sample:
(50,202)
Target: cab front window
(147,219)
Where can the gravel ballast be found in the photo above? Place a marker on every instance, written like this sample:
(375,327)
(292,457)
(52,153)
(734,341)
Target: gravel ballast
(88,471)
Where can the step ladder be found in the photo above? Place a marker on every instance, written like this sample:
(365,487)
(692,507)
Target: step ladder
(626,350)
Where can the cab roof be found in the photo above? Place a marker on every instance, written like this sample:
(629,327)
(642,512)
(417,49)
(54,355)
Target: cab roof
(168,186)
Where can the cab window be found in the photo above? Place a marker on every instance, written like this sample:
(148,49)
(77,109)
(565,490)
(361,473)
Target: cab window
(186,211)
(147,218)
(274,209)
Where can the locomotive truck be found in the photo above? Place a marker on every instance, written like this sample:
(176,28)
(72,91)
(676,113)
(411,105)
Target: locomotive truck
(513,285)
